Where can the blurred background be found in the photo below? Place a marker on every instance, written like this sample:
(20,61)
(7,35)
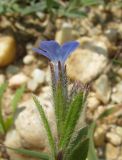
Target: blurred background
(97,25)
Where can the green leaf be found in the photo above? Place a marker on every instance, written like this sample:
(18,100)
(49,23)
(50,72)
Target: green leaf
(2,9)
(82,133)
(80,151)
(2,90)
(73,4)
(116,61)
(49,4)
(17,97)
(34,154)
(1,129)
(71,119)
(46,125)
(80,136)
(107,112)
(92,153)
(75,14)
(60,97)
(72,13)
(91,2)
(37,7)
(60,108)
(8,122)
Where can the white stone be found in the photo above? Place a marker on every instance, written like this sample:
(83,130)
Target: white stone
(18,80)
(38,75)
(2,79)
(65,34)
(32,85)
(13,140)
(32,130)
(112,152)
(117,93)
(114,138)
(112,34)
(92,101)
(99,111)
(28,59)
(41,15)
(29,46)
(88,64)
(89,60)
(99,44)
(102,88)
(119,131)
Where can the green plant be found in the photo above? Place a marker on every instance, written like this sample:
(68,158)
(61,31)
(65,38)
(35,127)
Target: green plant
(70,144)
(117,62)
(5,124)
(70,8)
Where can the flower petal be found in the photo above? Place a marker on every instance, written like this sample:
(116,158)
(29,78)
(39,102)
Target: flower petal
(42,52)
(51,47)
(67,48)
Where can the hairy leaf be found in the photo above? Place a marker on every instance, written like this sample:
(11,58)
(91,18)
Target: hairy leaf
(46,125)
(80,151)
(92,152)
(34,154)
(59,109)
(80,136)
(71,119)
(17,97)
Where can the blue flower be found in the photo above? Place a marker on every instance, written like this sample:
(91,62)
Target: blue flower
(54,52)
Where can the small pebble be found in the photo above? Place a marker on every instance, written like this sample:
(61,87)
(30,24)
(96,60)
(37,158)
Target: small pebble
(65,34)
(112,34)
(99,111)
(40,15)
(32,85)
(99,136)
(17,80)
(114,138)
(117,93)
(112,152)
(29,59)
(7,50)
(29,46)
(102,88)
(38,75)
(93,102)
(2,79)
(119,131)
(11,69)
